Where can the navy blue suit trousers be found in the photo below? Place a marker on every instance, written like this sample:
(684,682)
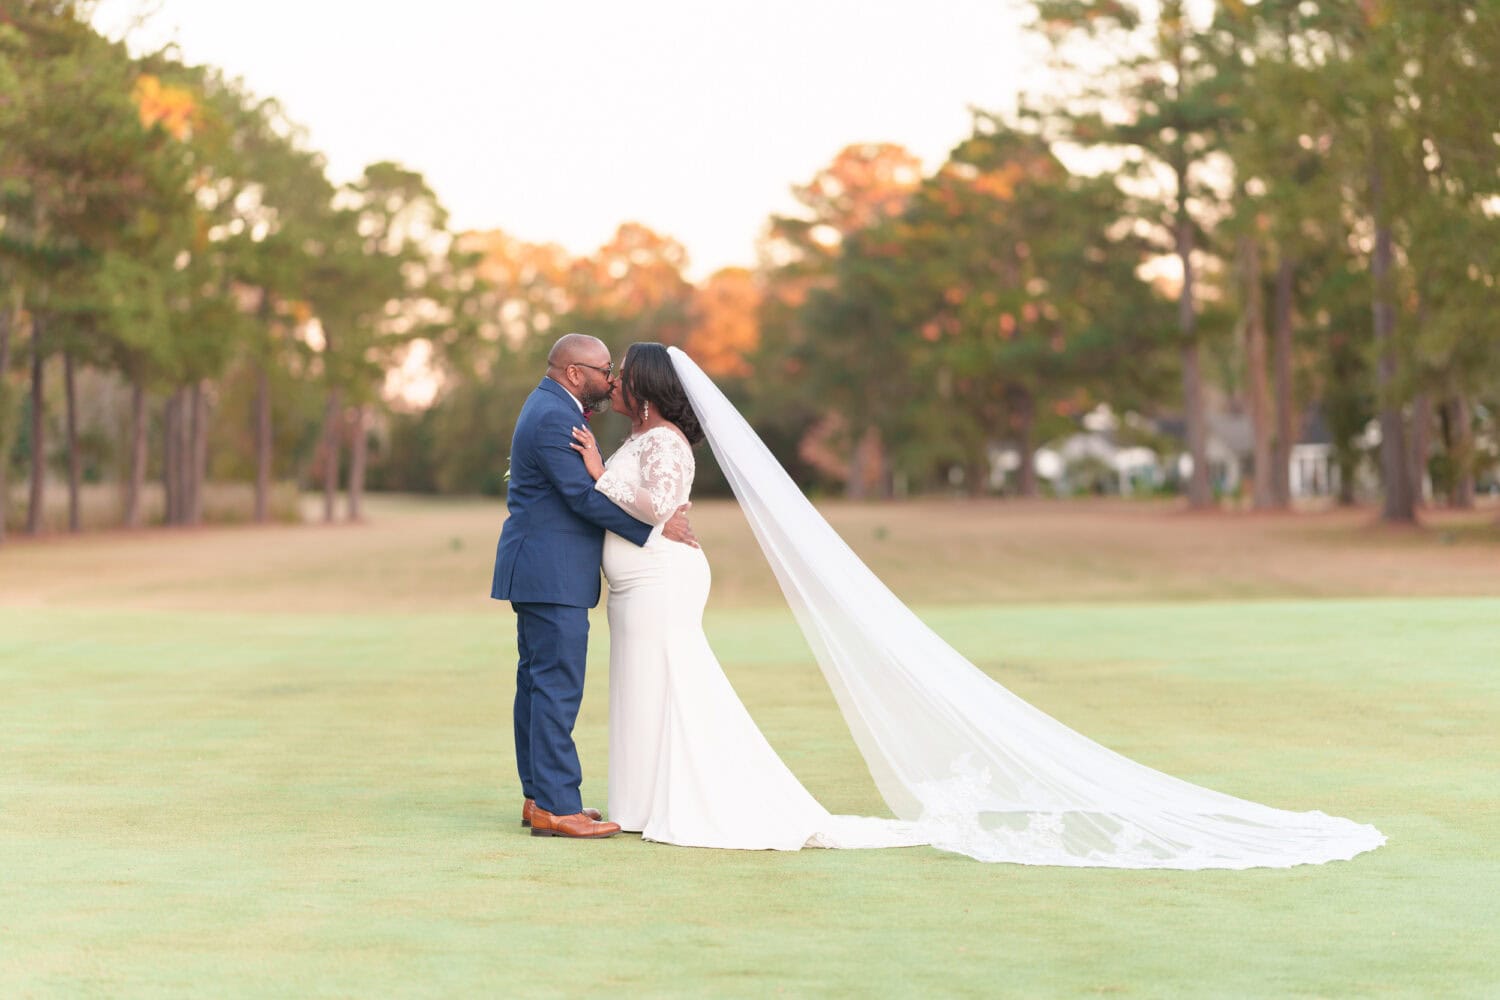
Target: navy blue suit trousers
(553,641)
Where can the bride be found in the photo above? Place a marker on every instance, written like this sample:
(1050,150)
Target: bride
(687,764)
(965,764)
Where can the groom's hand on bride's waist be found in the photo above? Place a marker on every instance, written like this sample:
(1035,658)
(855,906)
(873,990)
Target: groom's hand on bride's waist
(677,528)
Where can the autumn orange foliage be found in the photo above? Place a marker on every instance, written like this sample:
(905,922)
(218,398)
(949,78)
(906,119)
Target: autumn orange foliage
(865,183)
(633,284)
(173,108)
(507,262)
(726,327)
(636,272)
(529,280)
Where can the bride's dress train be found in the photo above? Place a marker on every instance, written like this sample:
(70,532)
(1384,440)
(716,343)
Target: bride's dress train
(967,765)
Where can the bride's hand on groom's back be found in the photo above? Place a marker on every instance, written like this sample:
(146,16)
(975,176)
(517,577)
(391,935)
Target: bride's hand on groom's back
(677,528)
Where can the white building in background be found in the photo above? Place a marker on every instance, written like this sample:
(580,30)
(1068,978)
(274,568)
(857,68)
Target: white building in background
(1314,473)
(1093,460)
(1313,469)
(1096,460)
(1314,465)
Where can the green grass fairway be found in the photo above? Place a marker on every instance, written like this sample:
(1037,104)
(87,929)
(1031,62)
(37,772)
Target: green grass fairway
(277,763)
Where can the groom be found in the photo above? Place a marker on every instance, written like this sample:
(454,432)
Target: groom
(547,566)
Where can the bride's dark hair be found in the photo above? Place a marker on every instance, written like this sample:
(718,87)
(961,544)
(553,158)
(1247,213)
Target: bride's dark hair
(650,378)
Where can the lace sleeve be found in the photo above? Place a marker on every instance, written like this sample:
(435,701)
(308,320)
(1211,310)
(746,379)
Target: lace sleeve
(666,479)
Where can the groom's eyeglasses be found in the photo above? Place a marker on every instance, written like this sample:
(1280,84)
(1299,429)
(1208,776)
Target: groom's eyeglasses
(608,371)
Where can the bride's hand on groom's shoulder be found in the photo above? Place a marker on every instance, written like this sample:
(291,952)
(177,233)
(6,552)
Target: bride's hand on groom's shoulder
(677,528)
(585,445)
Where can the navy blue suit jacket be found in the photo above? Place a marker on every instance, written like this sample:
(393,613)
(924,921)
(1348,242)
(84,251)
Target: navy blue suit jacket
(552,544)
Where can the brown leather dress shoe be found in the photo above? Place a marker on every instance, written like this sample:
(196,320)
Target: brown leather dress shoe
(577,826)
(530,804)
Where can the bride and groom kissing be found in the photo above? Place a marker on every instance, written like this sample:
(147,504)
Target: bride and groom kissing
(547,565)
(965,764)
(687,765)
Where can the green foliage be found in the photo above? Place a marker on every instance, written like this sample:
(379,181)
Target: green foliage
(1320,128)
(460,443)
(160,222)
(296,413)
(998,305)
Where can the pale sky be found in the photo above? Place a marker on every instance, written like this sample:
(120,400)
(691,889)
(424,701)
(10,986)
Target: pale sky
(558,121)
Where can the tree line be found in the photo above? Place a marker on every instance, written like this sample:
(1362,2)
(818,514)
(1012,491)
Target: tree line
(1329,169)
(1267,206)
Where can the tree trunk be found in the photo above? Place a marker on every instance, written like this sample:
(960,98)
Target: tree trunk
(137,475)
(1257,386)
(1421,445)
(262,445)
(1281,365)
(177,457)
(358,452)
(1348,464)
(189,455)
(1395,464)
(182,451)
(35,518)
(1463,453)
(854,485)
(75,471)
(1200,491)
(7,322)
(884,475)
(169,460)
(197,454)
(1024,409)
(263,442)
(331,454)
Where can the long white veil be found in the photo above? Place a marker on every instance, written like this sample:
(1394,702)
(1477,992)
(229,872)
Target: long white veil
(978,770)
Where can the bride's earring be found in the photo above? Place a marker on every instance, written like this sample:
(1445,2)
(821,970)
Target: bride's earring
(645,411)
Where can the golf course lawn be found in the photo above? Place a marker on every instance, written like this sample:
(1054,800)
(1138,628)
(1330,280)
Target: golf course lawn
(277,762)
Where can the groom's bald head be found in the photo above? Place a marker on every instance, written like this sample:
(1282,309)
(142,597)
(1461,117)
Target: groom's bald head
(580,363)
(577,349)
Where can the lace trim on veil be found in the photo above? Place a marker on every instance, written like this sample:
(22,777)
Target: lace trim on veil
(974,768)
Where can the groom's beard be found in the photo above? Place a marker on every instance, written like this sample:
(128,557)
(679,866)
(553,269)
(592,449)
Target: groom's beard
(593,401)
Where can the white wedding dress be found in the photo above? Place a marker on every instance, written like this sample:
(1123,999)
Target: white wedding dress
(968,766)
(687,764)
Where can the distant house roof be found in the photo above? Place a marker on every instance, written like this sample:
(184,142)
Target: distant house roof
(1314,428)
(1234,430)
